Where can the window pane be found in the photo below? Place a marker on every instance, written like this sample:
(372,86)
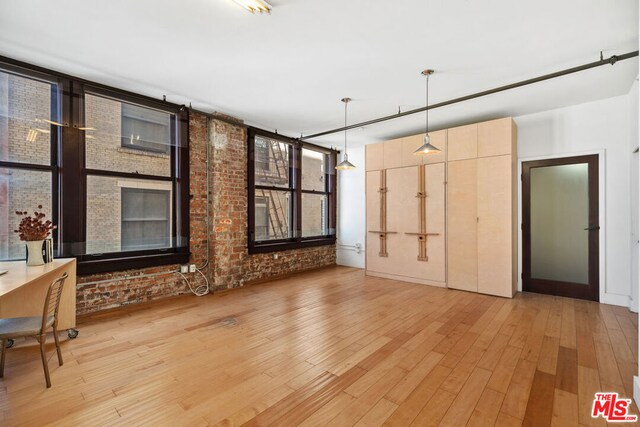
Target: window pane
(127,214)
(124,137)
(559,214)
(313,170)
(145,218)
(20,190)
(26,119)
(272,215)
(271,162)
(314,215)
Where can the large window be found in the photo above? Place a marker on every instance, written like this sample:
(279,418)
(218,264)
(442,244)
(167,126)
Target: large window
(110,168)
(291,193)
(29,112)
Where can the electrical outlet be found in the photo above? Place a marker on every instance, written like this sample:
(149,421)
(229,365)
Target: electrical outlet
(276,256)
(192,268)
(184,268)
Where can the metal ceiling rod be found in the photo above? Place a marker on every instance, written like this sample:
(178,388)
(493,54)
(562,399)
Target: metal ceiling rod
(611,60)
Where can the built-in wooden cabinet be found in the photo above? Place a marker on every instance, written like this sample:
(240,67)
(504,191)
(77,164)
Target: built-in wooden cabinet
(481,209)
(463,142)
(465,234)
(403,226)
(374,157)
(393,153)
(404,240)
(399,152)
(462,218)
(496,217)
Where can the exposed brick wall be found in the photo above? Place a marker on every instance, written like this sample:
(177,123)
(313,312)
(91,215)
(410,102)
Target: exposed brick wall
(233,264)
(230,265)
(122,287)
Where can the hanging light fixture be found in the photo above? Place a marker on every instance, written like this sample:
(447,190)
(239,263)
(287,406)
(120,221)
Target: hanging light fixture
(253,6)
(345,164)
(427,147)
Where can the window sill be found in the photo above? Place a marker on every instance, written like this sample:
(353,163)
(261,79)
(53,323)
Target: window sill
(265,247)
(86,267)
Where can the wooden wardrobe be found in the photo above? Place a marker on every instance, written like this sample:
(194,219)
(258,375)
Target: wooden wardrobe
(465,234)
(482,208)
(406,211)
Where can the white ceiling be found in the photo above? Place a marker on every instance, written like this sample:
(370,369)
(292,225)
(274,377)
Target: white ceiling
(288,70)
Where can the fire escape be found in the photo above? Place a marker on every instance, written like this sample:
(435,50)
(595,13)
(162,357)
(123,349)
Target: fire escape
(274,171)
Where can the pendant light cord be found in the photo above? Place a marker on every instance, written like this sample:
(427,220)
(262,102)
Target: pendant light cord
(426,130)
(345,127)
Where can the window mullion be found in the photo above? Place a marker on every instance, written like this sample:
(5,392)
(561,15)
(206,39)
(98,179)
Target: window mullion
(298,184)
(72,185)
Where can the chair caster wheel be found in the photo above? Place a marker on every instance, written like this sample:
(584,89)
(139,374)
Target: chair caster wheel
(9,343)
(73,333)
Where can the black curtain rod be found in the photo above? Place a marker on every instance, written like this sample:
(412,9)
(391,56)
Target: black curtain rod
(611,60)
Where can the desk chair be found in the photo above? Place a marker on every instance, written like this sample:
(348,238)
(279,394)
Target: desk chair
(36,326)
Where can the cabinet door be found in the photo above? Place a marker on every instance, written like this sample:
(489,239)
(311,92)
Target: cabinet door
(409,145)
(462,142)
(374,156)
(495,248)
(374,261)
(393,153)
(434,268)
(462,245)
(496,137)
(402,217)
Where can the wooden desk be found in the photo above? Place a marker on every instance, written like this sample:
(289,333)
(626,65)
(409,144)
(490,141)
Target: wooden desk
(23,290)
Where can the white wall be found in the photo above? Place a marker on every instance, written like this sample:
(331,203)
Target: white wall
(635,186)
(635,225)
(597,127)
(603,126)
(351,211)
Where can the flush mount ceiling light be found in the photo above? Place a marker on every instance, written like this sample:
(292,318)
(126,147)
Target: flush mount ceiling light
(254,6)
(51,122)
(345,163)
(427,147)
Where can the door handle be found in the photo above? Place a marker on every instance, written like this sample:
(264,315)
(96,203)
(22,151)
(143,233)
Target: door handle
(595,227)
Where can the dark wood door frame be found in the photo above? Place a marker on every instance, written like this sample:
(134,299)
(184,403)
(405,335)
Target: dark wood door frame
(574,290)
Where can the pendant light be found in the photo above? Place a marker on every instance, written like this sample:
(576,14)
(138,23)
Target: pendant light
(427,147)
(345,164)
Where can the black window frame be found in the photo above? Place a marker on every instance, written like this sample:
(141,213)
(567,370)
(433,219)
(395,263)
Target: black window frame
(52,167)
(69,174)
(295,188)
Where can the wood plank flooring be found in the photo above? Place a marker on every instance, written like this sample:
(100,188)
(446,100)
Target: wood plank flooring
(331,347)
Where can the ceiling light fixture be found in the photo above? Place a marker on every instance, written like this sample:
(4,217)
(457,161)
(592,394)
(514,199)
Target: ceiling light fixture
(345,164)
(427,147)
(51,122)
(254,6)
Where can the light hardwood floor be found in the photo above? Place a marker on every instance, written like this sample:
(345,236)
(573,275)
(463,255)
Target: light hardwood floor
(331,347)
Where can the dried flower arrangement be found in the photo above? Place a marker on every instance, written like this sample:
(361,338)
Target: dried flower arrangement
(34,227)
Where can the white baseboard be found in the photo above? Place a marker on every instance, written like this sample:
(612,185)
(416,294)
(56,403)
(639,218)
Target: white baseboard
(636,390)
(350,259)
(406,279)
(615,299)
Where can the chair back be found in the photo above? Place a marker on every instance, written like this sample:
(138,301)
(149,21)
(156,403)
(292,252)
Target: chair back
(52,301)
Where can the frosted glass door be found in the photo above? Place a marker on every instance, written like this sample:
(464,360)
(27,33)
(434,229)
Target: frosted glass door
(559,214)
(561,226)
